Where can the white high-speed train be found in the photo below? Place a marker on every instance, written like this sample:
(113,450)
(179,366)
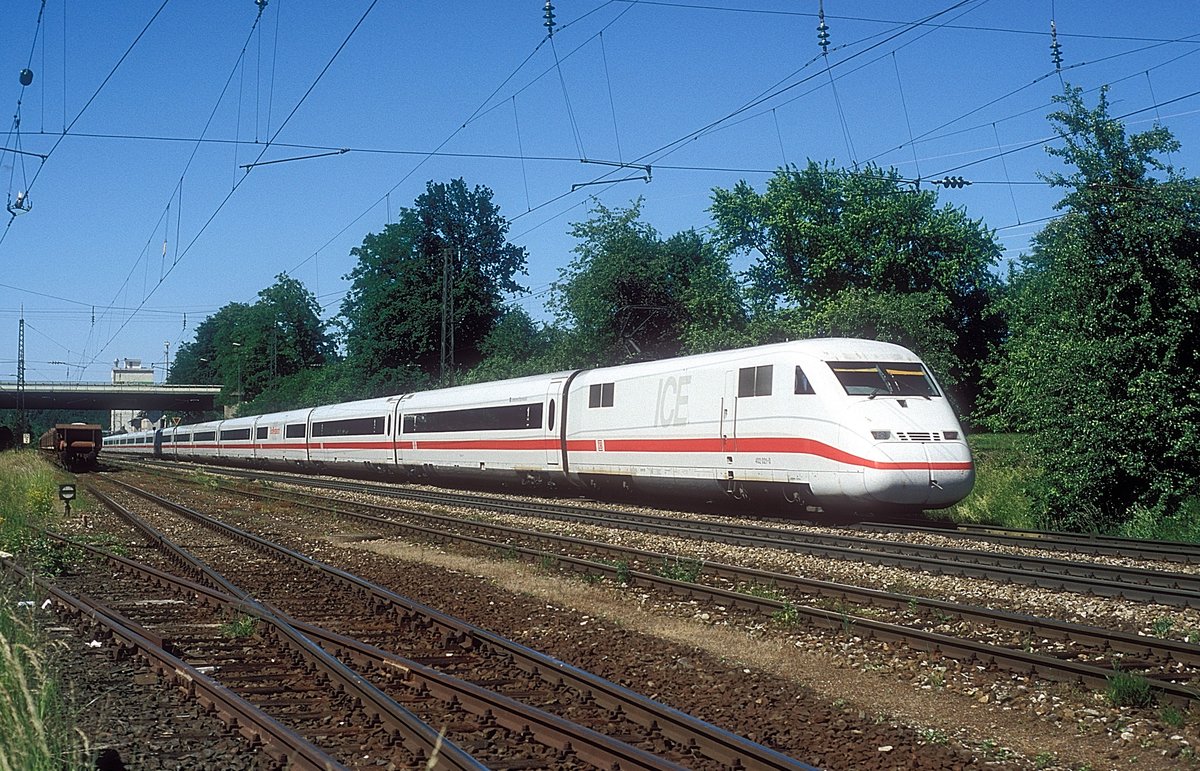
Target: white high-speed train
(838,423)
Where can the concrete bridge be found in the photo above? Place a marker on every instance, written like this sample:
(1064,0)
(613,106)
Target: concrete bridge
(110,396)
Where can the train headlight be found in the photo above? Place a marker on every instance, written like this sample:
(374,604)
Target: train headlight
(950,435)
(881,435)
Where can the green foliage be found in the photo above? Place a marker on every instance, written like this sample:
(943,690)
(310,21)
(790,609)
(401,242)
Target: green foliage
(1171,716)
(518,346)
(393,310)
(1126,689)
(631,295)
(820,232)
(1162,627)
(335,382)
(40,421)
(249,348)
(1180,524)
(683,569)
(1006,477)
(788,615)
(1101,364)
(239,627)
(914,320)
(28,501)
(771,592)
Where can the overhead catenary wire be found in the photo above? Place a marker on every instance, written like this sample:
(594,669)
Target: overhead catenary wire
(87,104)
(476,114)
(930,134)
(873,20)
(178,189)
(847,89)
(266,146)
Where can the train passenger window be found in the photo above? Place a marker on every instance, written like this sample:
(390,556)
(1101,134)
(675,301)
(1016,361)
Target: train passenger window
(510,417)
(205,436)
(601,395)
(349,427)
(755,381)
(235,435)
(183,438)
(260,432)
(295,431)
(802,384)
(550,418)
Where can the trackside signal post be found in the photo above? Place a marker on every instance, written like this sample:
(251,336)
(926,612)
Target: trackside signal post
(67,494)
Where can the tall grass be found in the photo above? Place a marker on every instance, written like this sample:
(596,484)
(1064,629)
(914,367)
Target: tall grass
(1005,476)
(36,731)
(28,501)
(36,728)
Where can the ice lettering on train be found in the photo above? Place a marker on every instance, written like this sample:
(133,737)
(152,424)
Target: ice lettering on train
(673,400)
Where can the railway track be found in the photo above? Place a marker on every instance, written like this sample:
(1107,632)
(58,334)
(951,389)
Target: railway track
(1074,543)
(237,700)
(1084,654)
(435,641)
(1134,584)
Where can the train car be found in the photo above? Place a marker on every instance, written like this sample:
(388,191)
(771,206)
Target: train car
(836,424)
(282,438)
(506,431)
(353,436)
(74,445)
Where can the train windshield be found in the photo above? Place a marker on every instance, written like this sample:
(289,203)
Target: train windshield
(864,378)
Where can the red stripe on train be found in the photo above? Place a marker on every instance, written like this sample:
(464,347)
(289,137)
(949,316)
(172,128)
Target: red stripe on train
(769,445)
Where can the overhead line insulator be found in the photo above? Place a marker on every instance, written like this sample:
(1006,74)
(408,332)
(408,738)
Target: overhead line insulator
(950,182)
(1055,48)
(822,30)
(548,15)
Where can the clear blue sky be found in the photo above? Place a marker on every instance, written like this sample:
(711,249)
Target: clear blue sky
(975,77)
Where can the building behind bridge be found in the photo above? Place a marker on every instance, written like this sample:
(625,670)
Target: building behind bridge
(131,372)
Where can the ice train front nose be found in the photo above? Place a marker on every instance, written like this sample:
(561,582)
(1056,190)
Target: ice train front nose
(920,471)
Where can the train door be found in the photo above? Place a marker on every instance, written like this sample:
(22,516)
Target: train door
(729,405)
(552,444)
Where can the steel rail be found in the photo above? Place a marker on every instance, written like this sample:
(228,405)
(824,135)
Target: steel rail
(420,736)
(584,743)
(1071,576)
(1175,589)
(278,740)
(1124,642)
(1096,545)
(717,743)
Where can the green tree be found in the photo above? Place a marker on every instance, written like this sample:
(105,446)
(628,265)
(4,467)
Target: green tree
(818,232)
(518,346)
(299,338)
(393,311)
(247,348)
(1101,364)
(631,295)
